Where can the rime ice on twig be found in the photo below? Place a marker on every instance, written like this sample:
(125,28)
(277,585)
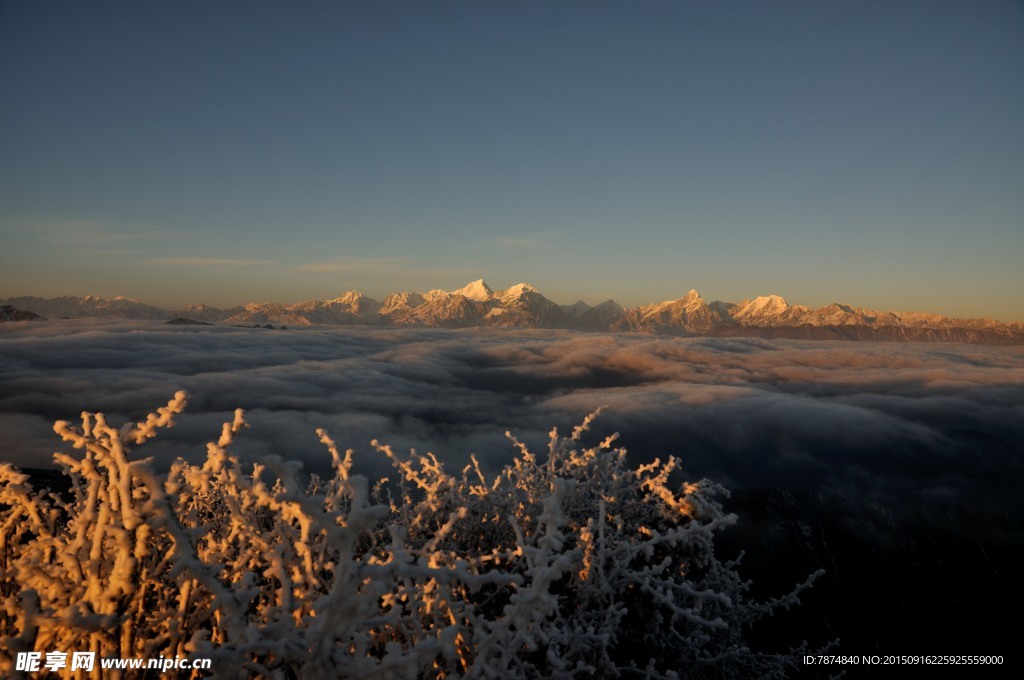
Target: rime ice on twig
(574,566)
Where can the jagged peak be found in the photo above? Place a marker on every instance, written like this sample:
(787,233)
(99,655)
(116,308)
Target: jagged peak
(475,290)
(693,297)
(435,293)
(519,301)
(405,298)
(517,290)
(407,294)
(690,298)
(349,297)
(767,302)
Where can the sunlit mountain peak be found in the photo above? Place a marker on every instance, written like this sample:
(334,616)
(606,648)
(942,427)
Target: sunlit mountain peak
(475,290)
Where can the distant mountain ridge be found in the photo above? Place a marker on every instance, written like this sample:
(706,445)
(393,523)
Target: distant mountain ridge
(9,313)
(523,306)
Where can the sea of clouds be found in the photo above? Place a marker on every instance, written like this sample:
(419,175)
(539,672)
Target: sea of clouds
(904,423)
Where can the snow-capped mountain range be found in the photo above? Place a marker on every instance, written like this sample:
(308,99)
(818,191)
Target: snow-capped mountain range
(523,306)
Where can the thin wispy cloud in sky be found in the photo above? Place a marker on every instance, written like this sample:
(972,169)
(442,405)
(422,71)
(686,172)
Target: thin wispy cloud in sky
(531,238)
(850,151)
(92,232)
(208,262)
(390,270)
(362,264)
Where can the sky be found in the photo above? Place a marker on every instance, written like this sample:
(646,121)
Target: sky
(870,153)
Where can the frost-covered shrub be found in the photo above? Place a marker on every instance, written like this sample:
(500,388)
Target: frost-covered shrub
(570,565)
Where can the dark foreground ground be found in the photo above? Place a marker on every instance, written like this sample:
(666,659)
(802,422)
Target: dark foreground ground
(899,580)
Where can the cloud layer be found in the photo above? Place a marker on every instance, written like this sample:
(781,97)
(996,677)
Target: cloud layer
(895,423)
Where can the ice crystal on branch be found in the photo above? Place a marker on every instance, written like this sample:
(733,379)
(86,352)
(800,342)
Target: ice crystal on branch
(573,565)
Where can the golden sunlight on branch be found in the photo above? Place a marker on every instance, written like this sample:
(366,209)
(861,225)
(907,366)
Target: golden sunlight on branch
(572,566)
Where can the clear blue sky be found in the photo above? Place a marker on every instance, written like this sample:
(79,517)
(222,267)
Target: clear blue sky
(867,152)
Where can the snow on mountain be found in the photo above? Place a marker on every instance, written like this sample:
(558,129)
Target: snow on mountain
(435,308)
(689,315)
(837,314)
(517,291)
(523,306)
(351,307)
(270,312)
(435,294)
(475,290)
(452,311)
(206,313)
(403,302)
(763,305)
(355,301)
(767,310)
(88,306)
